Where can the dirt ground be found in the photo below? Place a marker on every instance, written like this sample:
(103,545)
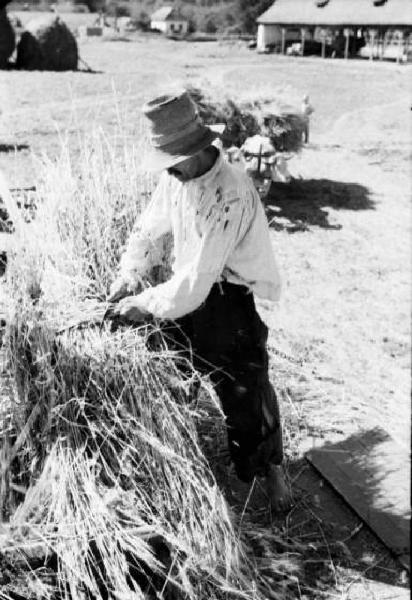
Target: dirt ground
(340,337)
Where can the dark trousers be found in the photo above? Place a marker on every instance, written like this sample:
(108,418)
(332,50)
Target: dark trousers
(226,339)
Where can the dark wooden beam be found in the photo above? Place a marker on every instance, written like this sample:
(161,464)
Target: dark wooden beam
(371,471)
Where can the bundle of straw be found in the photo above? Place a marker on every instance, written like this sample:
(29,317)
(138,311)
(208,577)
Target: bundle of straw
(106,493)
(285,128)
(240,121)
(104,440)
(278,120)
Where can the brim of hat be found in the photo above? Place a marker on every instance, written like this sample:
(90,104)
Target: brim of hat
(158,159)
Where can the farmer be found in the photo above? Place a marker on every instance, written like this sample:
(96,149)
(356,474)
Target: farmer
(307,109)
(222,257)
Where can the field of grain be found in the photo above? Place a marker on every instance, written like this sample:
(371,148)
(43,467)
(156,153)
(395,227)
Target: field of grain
(340,337)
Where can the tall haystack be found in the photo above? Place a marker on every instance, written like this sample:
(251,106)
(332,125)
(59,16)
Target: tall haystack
(7,38)
(47,44)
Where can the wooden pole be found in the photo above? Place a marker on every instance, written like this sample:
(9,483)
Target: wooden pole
(259,160)
(283,40)
(383,46)
(372,44)
(346,33)
(323,44)
(303,32)
(400,45)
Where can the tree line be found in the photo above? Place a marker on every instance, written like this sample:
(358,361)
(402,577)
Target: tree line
(204,15)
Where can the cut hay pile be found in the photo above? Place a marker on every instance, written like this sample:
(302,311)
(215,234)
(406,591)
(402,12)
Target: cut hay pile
(119,492)
(7,38)
(278,120)
(105,490)
(240,122)
(47,44)
(285,128)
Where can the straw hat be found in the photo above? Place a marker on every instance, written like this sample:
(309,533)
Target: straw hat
(176,130)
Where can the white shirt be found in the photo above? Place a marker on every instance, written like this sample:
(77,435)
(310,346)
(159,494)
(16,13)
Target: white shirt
(220,233)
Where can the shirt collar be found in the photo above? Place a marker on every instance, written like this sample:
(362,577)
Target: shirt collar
(211,173)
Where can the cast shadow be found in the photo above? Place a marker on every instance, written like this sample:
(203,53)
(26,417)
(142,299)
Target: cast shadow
(370,471)
(323,528)
(84,68)
(13,147)
(303,203)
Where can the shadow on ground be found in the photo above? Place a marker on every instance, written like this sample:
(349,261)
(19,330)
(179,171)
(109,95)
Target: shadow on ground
(371,472)
(335,548)
(13,147)
(303,203)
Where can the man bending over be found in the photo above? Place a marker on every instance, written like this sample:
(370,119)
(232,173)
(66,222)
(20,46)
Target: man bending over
(222,257)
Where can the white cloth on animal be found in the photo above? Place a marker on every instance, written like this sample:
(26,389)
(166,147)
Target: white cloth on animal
(220,233)
(307,109)
(280,171)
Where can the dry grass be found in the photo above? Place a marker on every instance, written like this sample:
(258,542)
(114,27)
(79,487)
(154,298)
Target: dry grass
(340,339)
(105,485)
(244,119)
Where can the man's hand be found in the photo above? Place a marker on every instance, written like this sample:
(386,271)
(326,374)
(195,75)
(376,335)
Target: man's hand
(129,310)
(118,290)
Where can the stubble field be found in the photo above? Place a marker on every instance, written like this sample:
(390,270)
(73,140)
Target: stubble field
(340,337)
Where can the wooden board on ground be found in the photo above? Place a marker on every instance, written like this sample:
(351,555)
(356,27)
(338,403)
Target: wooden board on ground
(372,473)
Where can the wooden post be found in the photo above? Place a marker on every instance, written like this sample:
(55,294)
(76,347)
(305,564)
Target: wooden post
(283,40)
(383,44)
(400,47)
(323,44)
(259,160)
(303,32)
(372,44)
(346,34)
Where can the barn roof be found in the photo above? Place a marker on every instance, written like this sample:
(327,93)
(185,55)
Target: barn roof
(373,13)
(167,13)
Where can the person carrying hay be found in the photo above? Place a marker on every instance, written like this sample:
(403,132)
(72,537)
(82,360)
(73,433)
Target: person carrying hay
(307,110)
(222,257)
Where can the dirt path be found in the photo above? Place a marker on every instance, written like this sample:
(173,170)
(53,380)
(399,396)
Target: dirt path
(353,294)
(375,329)
(341,337)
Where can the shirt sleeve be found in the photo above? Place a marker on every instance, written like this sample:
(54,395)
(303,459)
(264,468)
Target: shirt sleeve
(142,251)
(222,228)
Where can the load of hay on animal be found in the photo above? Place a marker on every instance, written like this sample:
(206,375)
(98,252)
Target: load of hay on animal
(47,44)
(7,38)
(278,120)
(105,489)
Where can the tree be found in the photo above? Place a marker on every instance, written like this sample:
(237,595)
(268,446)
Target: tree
(250,10)
(210,25)
(142,21)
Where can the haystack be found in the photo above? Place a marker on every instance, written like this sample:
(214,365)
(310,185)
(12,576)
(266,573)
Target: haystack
(285,127)
(7,39)
(281,122)
(240,121)
(105,489)
(47,44)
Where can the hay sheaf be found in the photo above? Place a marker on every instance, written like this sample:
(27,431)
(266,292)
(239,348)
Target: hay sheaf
(7,38)
(280,121)
(104,439)
(105,488)
(47,44)
(240,121)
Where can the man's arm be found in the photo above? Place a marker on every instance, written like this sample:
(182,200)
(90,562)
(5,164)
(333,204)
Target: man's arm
(141,249)
(189,287)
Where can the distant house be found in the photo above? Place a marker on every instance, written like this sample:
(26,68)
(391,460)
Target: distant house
(384,27)
(170,21)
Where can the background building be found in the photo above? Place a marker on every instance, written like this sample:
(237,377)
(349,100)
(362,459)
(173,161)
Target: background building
(374,28)
(170,21)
